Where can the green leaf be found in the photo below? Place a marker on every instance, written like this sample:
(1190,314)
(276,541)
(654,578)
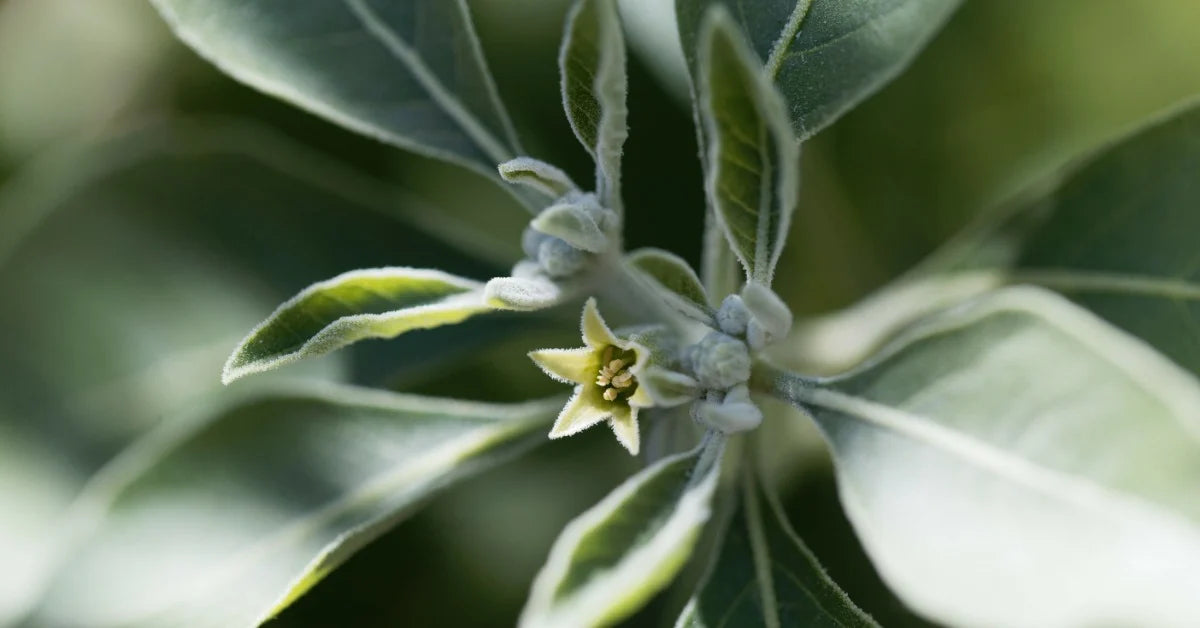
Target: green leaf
(230,521)
(407,72)
(1018,461)
(617,555)
(140,260)
(1118,236)
(825,56)
(592,63)
(753,161)
(766,576)
(572,224)
(360,304)
(1114,233)
(672,274)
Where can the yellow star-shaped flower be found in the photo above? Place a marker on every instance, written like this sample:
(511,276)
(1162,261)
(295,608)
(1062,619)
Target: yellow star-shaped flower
(605,371)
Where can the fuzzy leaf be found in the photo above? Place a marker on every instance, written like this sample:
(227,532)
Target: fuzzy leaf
(229,522)
(1119,236)
(375,303)
(671,273)
(408,72)
(592,63)
(573,225)
(539,175)
(1018,461)
(753,161)
(614,557)
(140,260)
(825,56)
(765,575)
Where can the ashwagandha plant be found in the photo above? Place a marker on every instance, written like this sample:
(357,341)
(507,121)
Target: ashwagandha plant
(1023,450)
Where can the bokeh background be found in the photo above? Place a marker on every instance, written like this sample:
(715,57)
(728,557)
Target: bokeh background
(152,210)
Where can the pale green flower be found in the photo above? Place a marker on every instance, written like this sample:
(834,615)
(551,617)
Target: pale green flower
(605,371)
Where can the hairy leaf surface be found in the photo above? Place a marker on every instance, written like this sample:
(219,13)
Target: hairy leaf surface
(592,63)
(671,273)
(765,575)
(375,303)
(614,557)
(1019,448)
(825,56)
(407,72)
(753,162)
(230,521)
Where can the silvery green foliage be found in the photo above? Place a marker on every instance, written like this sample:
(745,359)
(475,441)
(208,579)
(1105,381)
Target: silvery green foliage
(1014,460)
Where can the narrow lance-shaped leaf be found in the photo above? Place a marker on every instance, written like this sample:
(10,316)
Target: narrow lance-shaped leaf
(228,523)
(673,275)
(765,575)
(408,72)
(375,303)
(1017,461)
(617,555)
(753,161)
(592,63)
(825,56)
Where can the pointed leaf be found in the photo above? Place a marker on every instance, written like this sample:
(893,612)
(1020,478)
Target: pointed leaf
(573,225)
(825,56)
(1018,461)
(539,175)
(140,260)
(375,303)
(672,274)
(228,523)
(408,72)
(1118,236)
(765,575)
(592,63)
(753,161)
(614,557)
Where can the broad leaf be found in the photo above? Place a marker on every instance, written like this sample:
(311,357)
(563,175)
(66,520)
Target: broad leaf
(1115,233)
(1017,461)
(139,261)
(825,56)
(614,557)
(765,575)
(1119,236)
(228,523)
(753,161)
(673,275)
(375,303)
(408,72)
(592,63)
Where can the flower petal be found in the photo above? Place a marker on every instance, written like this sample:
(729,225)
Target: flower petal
(570,366)
(641,398)
(624,425)
(585,409)
(595,331)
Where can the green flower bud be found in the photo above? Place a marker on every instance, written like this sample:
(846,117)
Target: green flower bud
(720,361)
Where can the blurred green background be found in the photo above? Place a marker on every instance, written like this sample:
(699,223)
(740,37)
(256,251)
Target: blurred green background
(107,269)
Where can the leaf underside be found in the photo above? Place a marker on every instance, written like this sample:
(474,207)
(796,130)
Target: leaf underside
(1020,448)
(613,558)
(376,303)
(229,523)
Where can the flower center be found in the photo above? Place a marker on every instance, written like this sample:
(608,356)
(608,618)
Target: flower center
(614,376)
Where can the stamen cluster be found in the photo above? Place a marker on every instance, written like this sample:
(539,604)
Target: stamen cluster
(613,376)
